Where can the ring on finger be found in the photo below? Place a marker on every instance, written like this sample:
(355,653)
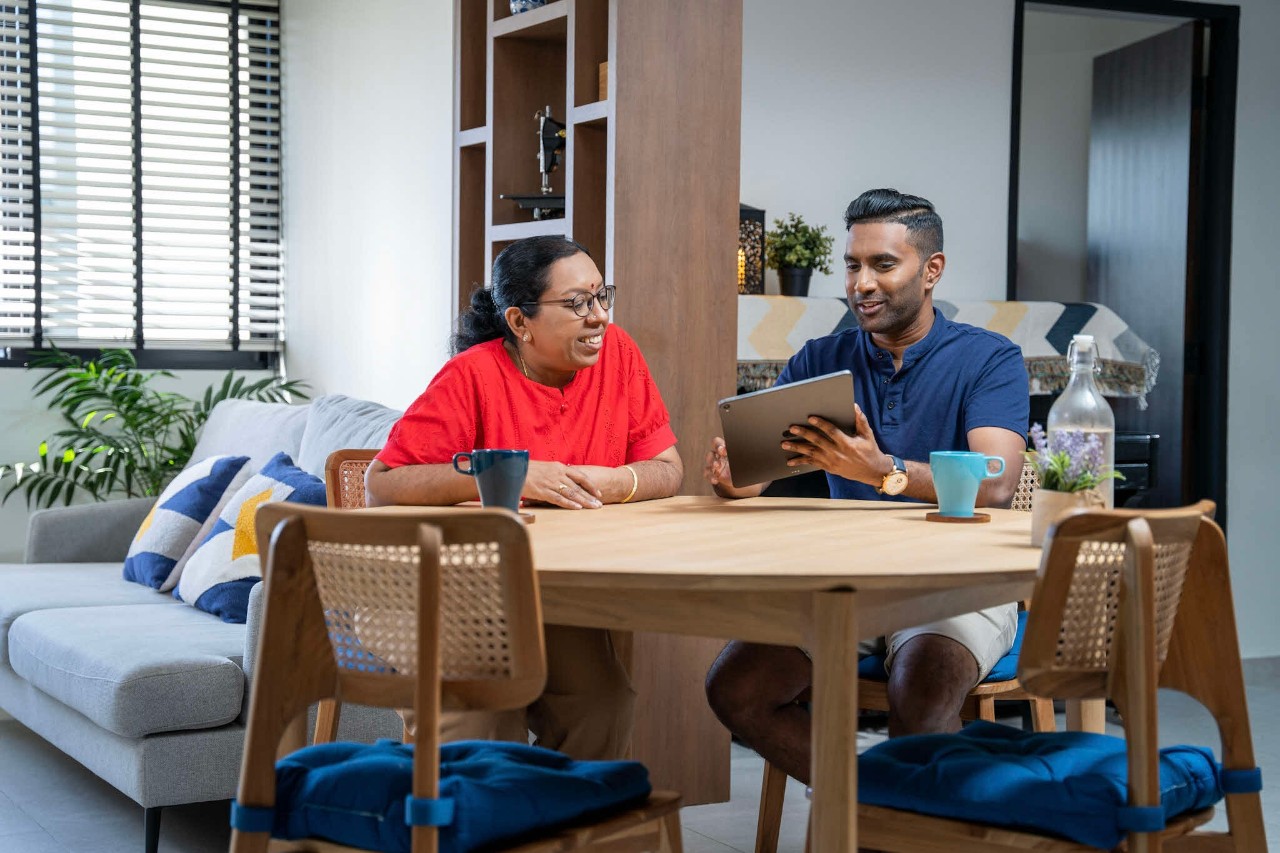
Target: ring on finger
(561,487)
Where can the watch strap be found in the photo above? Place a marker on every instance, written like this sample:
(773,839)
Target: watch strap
(899,466)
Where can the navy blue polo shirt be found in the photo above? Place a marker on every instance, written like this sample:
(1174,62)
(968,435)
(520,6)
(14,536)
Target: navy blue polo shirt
(956,379)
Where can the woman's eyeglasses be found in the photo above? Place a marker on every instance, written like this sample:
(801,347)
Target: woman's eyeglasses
(584,303)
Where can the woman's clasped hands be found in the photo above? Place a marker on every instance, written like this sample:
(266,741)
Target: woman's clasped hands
(562,485)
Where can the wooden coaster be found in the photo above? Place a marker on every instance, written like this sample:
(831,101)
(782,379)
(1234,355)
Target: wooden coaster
(976,518)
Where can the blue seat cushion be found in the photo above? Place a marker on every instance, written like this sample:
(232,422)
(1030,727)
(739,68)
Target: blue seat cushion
(1069,784)
(1006,669)
(354,793)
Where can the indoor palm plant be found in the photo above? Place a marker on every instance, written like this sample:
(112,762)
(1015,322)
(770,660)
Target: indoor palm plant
(122,436)
(1070,469)
(795,249)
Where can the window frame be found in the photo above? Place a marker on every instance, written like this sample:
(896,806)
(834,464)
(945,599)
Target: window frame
(227,356)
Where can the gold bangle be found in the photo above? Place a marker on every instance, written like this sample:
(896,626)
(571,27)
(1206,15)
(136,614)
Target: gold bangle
(635,483)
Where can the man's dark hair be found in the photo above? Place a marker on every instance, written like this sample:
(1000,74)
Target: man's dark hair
(924,225)
(521,274)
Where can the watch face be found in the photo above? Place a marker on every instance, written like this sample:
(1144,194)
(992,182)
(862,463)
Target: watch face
(894,483)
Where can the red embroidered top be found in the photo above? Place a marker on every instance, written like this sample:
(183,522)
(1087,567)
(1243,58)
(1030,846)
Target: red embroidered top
(609,414)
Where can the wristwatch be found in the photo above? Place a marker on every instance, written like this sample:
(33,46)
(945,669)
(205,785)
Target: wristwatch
(895,482)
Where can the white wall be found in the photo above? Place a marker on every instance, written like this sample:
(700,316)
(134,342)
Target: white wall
(1053,181)
(368,106)
(842,96)
(1253,456)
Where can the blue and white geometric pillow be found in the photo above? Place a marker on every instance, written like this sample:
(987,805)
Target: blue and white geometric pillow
(225,566)
(155,557)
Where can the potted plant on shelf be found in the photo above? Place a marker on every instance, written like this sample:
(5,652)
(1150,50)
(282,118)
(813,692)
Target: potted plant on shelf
(1070,469)
(795,249)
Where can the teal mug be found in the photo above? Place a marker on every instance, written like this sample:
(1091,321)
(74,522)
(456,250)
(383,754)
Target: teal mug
(499,475)
(957,474)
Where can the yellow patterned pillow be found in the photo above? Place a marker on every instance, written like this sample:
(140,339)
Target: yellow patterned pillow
(219,575)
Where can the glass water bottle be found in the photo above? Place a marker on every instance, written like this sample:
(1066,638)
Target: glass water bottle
(1082,408)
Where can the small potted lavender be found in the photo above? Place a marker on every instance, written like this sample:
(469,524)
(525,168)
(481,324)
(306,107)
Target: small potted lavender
(1071,468)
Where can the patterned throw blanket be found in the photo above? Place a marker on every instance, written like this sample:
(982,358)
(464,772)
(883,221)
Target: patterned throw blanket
(772,328)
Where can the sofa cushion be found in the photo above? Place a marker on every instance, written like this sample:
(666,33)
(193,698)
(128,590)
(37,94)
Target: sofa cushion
(163,541)
(254,429)
(133,670)
(337,422)
(44,586)
(220,574)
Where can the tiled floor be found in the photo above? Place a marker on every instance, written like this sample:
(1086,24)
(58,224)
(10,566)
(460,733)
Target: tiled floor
(50,804)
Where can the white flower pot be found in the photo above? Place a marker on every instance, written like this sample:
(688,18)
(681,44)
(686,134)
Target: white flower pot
(1047,506)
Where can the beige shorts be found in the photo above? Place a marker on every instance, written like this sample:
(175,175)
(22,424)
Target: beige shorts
(987,634)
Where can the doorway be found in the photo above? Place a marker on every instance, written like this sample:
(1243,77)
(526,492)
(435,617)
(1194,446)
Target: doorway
(1120,194)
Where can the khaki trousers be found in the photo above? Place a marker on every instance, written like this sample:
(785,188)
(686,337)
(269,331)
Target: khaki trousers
(586,710)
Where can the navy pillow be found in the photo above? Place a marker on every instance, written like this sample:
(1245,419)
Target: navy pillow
(355,793)
(1071,784)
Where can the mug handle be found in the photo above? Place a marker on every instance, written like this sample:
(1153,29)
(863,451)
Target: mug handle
(990,475)
(468,470)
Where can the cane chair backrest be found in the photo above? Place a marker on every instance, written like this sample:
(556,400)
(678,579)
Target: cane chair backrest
(1072,647)
(1028,482)
(363,574)
(344,477)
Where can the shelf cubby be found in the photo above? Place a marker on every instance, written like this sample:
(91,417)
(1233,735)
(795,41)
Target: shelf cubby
(533,75)
(550,22)
(589,161)
(471,60)
(590,48)
(472,263)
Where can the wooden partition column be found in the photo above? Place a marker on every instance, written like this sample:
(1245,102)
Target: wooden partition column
(651,185)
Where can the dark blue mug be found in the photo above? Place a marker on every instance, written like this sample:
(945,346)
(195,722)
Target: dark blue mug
(957,474)
(499,475)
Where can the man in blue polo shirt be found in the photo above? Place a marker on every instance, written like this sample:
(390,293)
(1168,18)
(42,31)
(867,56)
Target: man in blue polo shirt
(923,383)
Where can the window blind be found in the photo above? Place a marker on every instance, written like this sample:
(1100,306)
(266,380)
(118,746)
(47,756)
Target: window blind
(141,191)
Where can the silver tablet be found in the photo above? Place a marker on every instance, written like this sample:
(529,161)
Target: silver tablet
(756,424)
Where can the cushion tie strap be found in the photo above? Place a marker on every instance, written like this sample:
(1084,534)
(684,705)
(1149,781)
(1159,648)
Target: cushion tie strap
(1140,818)
(1242,781)
(251,818)
(427,812)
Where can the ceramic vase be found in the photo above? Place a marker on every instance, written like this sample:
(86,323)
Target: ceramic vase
(1047,506)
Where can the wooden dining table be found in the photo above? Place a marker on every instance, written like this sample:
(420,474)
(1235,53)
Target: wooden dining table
(820,574)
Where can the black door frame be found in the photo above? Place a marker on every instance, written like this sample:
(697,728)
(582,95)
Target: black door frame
(1206,358)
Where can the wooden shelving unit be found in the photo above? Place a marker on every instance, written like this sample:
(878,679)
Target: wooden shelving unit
(650,179)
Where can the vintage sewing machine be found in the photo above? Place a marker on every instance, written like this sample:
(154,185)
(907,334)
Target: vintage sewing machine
(551,140)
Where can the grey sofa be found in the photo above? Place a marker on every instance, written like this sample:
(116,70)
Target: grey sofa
(146,692)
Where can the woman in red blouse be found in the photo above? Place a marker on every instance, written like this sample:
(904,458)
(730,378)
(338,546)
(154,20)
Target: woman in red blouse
(538,366)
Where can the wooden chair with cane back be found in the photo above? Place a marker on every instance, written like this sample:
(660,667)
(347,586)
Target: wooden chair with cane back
(413,608)
(344,488)
(1126,602)
(344,472)
(873,695)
